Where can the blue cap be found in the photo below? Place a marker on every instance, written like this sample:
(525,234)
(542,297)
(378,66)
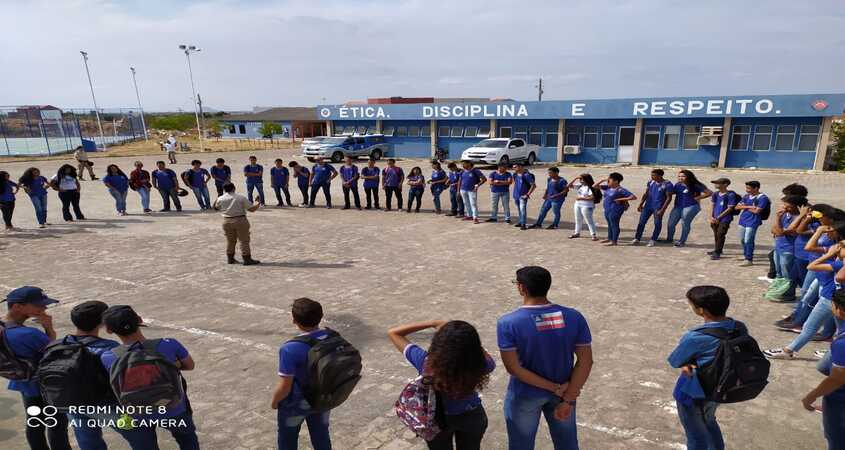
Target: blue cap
(29,294)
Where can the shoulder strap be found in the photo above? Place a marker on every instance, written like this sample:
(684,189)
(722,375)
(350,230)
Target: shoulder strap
(722,333)
(311,340)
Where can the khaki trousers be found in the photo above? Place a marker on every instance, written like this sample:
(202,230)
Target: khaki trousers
(82,166)
(236,229)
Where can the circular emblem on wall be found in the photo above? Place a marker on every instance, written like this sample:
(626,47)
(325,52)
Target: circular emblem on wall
(325,112)
(819,105)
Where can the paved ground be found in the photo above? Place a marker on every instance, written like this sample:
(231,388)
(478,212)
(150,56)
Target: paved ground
(372,270)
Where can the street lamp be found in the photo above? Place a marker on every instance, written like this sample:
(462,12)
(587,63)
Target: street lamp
(188,49)
(96,109)
(138,96)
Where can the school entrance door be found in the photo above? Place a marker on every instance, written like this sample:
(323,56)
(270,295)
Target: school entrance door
(625,154)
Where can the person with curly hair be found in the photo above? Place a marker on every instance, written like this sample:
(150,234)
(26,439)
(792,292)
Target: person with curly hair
(461,368)
(67,183)
(34,184)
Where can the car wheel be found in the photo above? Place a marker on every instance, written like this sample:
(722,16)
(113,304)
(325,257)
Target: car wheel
(532,158)
(505,160)
(376,155)
(311,159)
(337,157)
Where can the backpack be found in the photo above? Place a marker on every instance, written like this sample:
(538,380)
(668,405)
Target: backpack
(141,376)
(739,372)
(418,407)
(734,212)
(70,374)
(11,366)
(767,211)
(334,368)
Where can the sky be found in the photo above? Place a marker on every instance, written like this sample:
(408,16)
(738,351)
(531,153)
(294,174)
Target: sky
(307,52)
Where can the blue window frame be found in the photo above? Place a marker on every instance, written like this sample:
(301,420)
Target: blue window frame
(808,138)
(671,137)
(573,136)
(691,133)
(652,137)
(608,137)
(740,137)
(762,141)
(551,137)
(785,139)
(536,136)
(591,137)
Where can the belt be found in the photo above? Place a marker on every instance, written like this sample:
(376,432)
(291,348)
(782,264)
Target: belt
(235,217)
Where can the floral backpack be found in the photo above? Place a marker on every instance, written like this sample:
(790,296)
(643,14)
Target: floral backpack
(417,407)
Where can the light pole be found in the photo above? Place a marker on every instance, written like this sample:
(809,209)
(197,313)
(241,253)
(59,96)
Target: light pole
(96,109)
(138,96)
(188,49)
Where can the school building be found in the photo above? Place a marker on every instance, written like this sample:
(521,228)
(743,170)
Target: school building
(294,123)
(776,131)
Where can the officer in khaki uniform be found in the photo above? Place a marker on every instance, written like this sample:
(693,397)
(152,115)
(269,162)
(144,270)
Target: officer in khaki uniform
(81,157)
(234,207)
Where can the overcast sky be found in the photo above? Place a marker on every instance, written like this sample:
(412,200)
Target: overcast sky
(298,53)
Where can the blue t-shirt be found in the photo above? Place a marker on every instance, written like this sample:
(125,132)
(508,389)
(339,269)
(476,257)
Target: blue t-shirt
(171,349)
(258,168)
(657,193)
(97,347)
(165,179)
(721,202)
(302,178)
(293,362)
(37,186)
(470,178)
(221,174)
(438,175)
(392,176)
(7,194)
(544,337)
(417,178)
(785,243)
(347,173)
(837,359)
(454,181)
(26,343)
(522,184)
(613,207)
(371,172)
(322,174)
(801,241)
(685,196)
(748,218)
(827,280)
(118,182)
(451,406)
(695,348)
(197,177)
(496,176)
(554,187)
(279,176)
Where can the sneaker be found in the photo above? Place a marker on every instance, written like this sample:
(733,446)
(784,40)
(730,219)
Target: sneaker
(650,244)
(605,241)
(574,236)
(344,208)
(519,225)
(715,257)
(711,252)
(302,205)
(747,263)
(451,214)
(475,221)
(778,353)
(595,238)
(534,226)
(523,227)
(551,227)
(819,354)
(507,221)
(819,338)
(42,226)
(679,244)
(784,324)
(467,218)
(492,220)
(635,242)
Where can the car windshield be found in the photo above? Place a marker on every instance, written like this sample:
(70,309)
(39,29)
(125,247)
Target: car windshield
(490,143)
(334,140)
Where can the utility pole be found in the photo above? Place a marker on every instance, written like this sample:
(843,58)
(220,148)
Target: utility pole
(188,49)
(138,96)
(96,109)
(539,87)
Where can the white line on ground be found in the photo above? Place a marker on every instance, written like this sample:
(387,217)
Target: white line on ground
(212,334)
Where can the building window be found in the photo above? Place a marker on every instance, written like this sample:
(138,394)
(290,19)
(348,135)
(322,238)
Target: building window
(808,138)
(242,129)
(739,140)
(425,132)
(762,138)
(652,137)
(349,131)
(361,130)
(551,138)
(471,132)
(591,137)
(388,131)
(608,137)
(484,132)
(457,132)
(401,131)
(443,131)
(536,137)
(572,136)
(521,133)
(413,131)
(231,129)
(671,137)
(505,132)
(785,137)
(691,133)
(371,130)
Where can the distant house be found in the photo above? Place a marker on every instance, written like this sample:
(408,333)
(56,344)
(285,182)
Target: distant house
(296,123)
(32,112)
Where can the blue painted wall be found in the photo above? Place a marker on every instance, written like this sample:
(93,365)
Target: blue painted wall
(457,145)
(771,158)
(594,154)
(407,146)
(548,147)
(250,129)
(704,155)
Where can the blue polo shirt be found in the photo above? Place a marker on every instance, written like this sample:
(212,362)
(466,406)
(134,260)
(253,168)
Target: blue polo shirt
(554,187)
(417,178)
(451,406)
(302,178)
(258,168)
(685,196)
(293,362)
(26,343)
(438,175)
(784,243)
(496,176)
(6,195)
(454,180)
(221,174)
(279,176)
(197,177)
(322,174)
(470,178)
(119,182)
(657,193)
(721,202)
(545,338)
(801,241)
(695,348)
(165,179)
(827,280)
(748,218)
(347,173)
(613,207)
(522,184)
(37,186)
(392,176)
(371,172)
(837,359)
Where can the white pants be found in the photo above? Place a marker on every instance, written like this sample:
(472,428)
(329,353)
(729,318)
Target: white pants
(584,213)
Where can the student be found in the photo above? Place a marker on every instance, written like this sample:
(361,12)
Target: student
(349,176)
(27,344)
(289,394)
(416,187)
(118,185)
(167,183)
(322,175)
(391,181)
(832,388)
(279,179)
(8,190)
(69,192)
(616,200)
(170,148)
(123,321)
(36,186)
(523,187)
(785,243)
(81,157)
(791,189)
(657,196)
(302,175)
(370,175)
(587,195)
(696,349)
(688,192)
(198,178)
(438,184)
(753,203)
(222,174)
(539,344)
(500,182)
(234,207)
(471,179)
(460,368)
(456,202)
(552,200)
(722,214)
(139,181)
(254,174)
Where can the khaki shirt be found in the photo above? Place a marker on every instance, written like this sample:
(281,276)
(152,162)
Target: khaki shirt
(232,205)
(80,155)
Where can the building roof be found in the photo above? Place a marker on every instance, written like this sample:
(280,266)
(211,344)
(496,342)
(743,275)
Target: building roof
(294,113)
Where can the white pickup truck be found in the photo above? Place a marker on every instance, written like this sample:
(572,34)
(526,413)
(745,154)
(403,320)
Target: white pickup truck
(501,151)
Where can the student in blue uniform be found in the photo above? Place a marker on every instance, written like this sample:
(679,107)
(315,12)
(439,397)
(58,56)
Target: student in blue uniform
(552,200)
(500,184)
(288,396)
(322,175)
(199,177)
(222,174)
(349,176)
(416,187)
(616,201)
(392,178)
(657,196)
(752,205)
(370,175)
(8,189)
(523,187)
(471,180)
(302,176)
(167,183)
(118,185)
(279,179)
(721,215)
(35,185)
(438,182)
(27,344)
(455,200)
(539,344)
(688,192)
(254,174)
(461,368)
(785,241)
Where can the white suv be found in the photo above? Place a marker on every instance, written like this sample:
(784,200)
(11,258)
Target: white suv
(501,151)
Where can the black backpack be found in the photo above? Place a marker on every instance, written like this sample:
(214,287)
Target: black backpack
(726,201)
(11,366)
(334,368)
(141,376)
(767,211)
(70,374)
(739,372)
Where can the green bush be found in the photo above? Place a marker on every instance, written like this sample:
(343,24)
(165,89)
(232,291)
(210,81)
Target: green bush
(173,122)
(268,129)
(837,134)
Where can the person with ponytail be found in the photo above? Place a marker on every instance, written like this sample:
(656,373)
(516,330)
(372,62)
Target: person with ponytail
(588,195)
(36,186)
(688,192)
(8,189)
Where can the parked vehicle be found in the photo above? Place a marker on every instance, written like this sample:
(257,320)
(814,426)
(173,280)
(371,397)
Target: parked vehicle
(501,151)
(338,147)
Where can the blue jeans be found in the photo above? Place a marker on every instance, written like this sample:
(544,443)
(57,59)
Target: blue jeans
(547,205)
(144,438)
(833,419)
(612,225)
(167,195)
(808,301)
(202,196)
(699,422)
(677,214)
(435,198)
(784,268)
(290,418)
(259,188)
(522,417)
(145,197)
(820,315)
(522,205)
(39,202)
(457,202)
(470,202)
(747,235)
(646,214)
(505,199)
(119,199)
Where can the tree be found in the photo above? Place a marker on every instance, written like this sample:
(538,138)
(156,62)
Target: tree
(214,128)
(837,133)
(268,129)
(173,122)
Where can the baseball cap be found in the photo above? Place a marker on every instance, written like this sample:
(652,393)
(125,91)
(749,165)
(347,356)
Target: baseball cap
(88,315)
(122,319)
(721,181)
(29,294)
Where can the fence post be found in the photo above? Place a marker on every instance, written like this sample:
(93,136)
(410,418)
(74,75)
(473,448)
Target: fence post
(44,133)
(3,131)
